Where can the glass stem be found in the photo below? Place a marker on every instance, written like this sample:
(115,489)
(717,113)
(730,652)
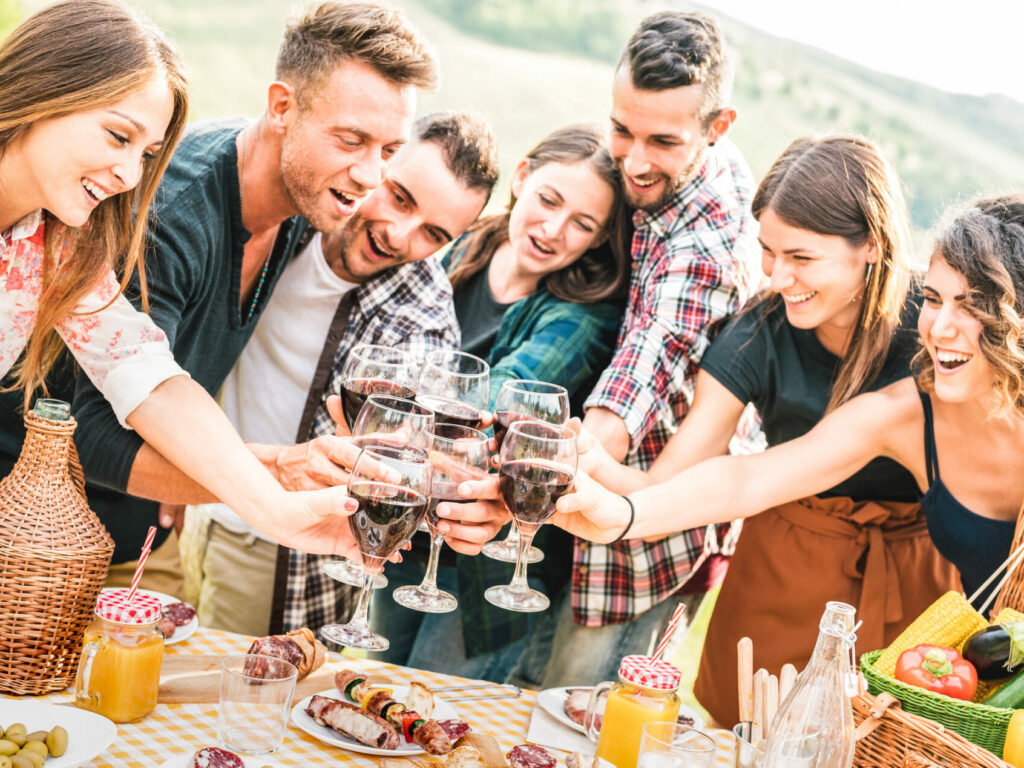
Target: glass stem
(359,618)
(519,577)
(430,577)
(512,539)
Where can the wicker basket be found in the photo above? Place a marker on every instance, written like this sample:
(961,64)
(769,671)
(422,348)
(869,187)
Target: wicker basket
(889,736)
(54,556)
(981,724)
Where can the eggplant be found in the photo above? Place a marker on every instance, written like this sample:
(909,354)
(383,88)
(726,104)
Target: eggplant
(996,651)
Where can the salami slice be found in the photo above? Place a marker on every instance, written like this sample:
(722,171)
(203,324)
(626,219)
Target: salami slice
(167,628)
(455,729)
(531,756)
(180,613)
(215,757)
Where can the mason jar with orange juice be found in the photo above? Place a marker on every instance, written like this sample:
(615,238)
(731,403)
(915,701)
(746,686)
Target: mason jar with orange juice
(646,692)
(119,671)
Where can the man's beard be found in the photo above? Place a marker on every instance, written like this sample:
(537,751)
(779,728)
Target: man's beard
(348,238)
(674,185)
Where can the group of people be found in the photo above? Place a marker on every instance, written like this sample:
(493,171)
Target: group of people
(256,255)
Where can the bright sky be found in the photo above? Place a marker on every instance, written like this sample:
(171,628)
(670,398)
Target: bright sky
(970,46)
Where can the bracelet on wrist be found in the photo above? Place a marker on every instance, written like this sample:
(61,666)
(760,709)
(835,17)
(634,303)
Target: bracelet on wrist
(632,519)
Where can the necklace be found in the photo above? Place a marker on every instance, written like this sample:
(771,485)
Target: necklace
(266,262)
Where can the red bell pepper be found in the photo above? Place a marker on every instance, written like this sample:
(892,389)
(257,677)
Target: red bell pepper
(939,669)
(410,722)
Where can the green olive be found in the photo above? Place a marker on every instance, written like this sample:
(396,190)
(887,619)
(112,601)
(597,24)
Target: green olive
(33,757)
(38,747)
(5,762)
(16,733)
(22,761)
(8,748)
(36,736)
(56,742)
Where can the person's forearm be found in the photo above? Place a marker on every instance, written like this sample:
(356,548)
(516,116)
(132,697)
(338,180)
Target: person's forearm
(181,422)
(610,429)
(154,477)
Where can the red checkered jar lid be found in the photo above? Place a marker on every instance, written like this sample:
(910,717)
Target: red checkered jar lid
(659,675)
(113,605)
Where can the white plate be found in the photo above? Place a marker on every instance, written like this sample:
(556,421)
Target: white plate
(442,711)
(180,633)
(552,700)
(89,734)
(185,761)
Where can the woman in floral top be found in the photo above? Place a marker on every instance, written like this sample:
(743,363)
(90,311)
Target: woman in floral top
(92,102)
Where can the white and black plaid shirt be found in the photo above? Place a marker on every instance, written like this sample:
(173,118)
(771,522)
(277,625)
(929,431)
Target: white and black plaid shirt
(408,308)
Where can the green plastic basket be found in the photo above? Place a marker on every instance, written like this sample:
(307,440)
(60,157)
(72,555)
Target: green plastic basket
(978,723)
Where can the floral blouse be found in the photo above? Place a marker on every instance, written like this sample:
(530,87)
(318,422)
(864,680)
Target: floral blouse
(118,347)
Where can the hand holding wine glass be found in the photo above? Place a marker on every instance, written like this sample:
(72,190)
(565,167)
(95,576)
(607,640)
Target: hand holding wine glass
(538,464)
(384,420)
(531,400)
(458,454)
(389,512)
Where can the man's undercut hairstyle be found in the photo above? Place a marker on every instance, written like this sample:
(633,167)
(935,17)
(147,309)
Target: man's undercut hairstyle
(362,32)
(672,49)
(467,143)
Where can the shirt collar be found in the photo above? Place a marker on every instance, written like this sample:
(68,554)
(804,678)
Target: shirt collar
(23,228)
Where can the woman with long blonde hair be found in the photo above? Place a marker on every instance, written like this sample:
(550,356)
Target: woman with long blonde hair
(92,102)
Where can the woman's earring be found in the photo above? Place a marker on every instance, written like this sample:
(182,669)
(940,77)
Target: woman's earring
(867,275)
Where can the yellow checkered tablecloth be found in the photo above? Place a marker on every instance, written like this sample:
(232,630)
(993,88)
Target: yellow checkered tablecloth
(180,729)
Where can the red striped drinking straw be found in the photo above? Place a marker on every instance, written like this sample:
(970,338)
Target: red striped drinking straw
(142,563)
(672,624)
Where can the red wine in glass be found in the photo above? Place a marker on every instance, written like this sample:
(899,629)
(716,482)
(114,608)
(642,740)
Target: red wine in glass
(530,490)
(503,420)
(355,391)
(388,516)
(447,411)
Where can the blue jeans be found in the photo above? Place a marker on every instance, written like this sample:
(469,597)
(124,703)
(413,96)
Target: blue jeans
(433,641)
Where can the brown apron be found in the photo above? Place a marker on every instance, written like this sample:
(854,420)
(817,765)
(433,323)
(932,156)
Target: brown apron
(792,559)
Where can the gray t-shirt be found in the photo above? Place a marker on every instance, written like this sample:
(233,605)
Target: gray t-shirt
(479,315)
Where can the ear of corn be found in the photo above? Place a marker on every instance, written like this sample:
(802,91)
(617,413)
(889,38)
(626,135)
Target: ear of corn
(949,621)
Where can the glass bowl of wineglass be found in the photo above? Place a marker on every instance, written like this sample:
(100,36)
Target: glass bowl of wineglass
(372,369)
(537,467)
(455,386)
(392,486)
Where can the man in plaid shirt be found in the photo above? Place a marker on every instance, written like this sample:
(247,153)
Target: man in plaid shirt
(693,264)
(373,282)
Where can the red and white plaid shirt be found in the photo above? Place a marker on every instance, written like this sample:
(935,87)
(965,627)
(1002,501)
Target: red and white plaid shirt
(694,263)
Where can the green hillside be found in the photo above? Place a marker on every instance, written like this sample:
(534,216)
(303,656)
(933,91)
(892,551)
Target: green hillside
(946,147)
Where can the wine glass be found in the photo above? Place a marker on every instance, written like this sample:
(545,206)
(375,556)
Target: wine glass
(524,399)
(373,369)
(458,454)
(456,386)
(392,486)
(666,744)
(538,464)
(384,420)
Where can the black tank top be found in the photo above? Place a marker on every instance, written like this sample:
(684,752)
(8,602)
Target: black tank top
(976,545)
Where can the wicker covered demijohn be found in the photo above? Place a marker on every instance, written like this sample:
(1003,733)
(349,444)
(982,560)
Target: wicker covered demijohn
(54,556)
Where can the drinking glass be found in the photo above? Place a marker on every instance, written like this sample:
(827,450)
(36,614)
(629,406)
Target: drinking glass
(671,745)
(392,486)
(524,399)
(456,386)
(458,454)
(255,699)
(373,369)
(538,464)
(384,420)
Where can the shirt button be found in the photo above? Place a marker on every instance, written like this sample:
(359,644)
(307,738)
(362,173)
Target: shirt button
(583,570)
(584,546)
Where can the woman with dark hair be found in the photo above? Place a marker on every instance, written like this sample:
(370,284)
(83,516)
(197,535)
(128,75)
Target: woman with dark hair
(537,287)
(92,101)
(835,322)
(537,293)
(965,404)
